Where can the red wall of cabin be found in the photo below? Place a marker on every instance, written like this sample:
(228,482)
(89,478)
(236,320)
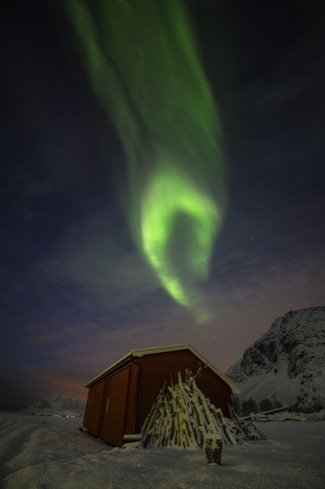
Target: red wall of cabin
(111,406)
(158,368)
(114,408)
(119,404)
(96,408)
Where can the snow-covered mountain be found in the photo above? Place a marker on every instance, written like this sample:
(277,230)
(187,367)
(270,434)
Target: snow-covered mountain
(286,366)
(57,404)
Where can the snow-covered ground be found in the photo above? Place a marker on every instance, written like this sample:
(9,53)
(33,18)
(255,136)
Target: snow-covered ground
(47,452)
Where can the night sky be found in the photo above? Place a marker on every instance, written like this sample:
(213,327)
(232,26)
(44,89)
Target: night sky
(76,293)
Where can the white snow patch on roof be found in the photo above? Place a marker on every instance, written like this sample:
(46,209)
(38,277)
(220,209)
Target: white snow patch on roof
(162,349)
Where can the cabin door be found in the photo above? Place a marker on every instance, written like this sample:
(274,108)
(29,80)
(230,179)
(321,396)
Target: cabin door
(114,408)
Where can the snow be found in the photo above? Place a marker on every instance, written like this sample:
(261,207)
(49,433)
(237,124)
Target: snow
(162,349)
(286,366)
(49,452)
(57,404)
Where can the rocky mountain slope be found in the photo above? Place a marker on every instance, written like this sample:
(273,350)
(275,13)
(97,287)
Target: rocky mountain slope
(57,404)
(286,366)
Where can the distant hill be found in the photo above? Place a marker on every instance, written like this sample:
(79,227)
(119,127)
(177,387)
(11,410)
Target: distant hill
(57,404)
(286,366)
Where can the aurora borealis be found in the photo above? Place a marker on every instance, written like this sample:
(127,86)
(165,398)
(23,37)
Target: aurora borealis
(148,77)
(171,194)
(117,184)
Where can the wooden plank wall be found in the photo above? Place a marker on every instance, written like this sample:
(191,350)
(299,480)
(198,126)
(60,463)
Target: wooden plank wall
(158,368)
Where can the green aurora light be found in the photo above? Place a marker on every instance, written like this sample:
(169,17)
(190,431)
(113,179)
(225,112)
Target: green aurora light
(143,65)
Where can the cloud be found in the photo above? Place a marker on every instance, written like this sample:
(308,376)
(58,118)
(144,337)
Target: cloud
(93,257)
(241,311)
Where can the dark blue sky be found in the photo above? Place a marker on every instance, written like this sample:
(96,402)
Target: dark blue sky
(75,293)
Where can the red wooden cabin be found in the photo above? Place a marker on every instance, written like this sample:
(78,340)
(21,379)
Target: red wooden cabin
(120,398)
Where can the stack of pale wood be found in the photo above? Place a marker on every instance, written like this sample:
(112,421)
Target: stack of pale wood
(183,417)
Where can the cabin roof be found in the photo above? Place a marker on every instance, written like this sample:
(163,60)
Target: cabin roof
(133,354)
